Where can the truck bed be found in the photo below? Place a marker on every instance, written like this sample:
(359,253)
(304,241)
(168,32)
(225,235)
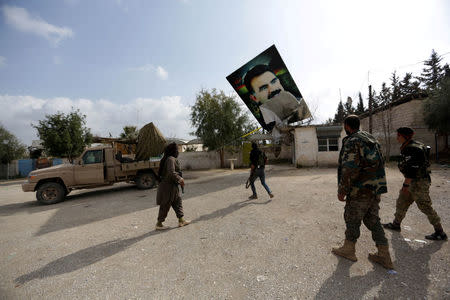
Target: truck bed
(139,165)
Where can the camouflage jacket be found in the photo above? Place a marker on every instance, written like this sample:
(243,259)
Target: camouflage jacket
(361,164)
(414,161)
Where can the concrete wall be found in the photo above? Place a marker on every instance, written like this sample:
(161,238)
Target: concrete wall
(207,160)
(10,171)
(307,149)
(285,154)
(408,114)
(306,146)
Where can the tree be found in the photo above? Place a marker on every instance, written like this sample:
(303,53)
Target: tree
(129,132)
(64,135)
(432,73)
(437,109)
(340,114)
(395,87)
(348,107)
(385,96)
(360,107)
(375,103)
(219,120)
(446,71)
(385,99)
(329,121)
(10,147)
(409,87)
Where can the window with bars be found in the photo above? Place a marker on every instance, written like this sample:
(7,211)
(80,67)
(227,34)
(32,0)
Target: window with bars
(328,144)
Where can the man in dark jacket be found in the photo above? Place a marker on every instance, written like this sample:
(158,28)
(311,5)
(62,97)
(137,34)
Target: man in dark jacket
(415,167)
(257,164)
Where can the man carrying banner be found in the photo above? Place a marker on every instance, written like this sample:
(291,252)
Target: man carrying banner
(257,164)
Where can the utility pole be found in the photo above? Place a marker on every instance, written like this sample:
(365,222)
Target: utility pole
(6,142)
(370,109)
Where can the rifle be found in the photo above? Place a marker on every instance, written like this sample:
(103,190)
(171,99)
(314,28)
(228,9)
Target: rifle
(182,187)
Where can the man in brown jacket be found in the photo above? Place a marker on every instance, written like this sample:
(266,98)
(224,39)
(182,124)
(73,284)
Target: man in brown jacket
(168,194)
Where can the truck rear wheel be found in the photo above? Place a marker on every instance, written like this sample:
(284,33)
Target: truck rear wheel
(50,193)
(145,180)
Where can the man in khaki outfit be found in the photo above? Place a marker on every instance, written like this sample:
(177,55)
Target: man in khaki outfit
(415,167)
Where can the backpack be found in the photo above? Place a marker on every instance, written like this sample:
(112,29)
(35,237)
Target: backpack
(262,159)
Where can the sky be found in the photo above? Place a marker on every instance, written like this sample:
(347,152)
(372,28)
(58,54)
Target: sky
(130,62)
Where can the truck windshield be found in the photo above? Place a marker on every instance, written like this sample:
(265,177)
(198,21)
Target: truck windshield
(93,157)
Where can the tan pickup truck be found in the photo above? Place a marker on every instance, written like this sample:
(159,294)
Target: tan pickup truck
(97,166)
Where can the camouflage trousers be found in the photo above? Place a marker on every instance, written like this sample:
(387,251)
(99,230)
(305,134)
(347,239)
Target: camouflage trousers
(419,192)
(363,205)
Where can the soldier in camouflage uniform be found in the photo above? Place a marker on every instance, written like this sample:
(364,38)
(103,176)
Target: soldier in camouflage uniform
(361,181)
(415,166)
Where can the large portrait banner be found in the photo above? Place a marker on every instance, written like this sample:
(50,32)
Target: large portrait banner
(269,91)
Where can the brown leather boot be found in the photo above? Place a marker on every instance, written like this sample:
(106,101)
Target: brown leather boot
(347,251)
(382,257)
(182,222)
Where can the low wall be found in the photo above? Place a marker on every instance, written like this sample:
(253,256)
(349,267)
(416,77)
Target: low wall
(207,160)
(199,160)
(22,167)
(8,171)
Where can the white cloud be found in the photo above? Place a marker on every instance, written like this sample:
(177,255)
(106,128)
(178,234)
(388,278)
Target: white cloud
(71,2)
(20,19)
(2,61)
(169,114)
(163,74)
(159,71)
(57,60)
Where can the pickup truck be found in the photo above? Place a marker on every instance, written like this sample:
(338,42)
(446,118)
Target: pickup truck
(97,166)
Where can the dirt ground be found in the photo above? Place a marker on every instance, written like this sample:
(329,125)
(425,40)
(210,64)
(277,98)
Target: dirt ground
(101,244)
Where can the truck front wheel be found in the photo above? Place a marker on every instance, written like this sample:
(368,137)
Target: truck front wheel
(145,180)
(50,193)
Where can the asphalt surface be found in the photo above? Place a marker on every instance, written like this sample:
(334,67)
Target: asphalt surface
(101,244)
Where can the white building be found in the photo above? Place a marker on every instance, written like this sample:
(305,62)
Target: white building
(317,145)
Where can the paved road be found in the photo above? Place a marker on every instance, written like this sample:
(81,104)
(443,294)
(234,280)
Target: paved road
(101,244)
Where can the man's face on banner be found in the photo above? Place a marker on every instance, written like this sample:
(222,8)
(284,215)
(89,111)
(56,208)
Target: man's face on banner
(265,86)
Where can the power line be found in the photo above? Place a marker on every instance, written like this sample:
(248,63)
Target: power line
(422,61)
(403,66)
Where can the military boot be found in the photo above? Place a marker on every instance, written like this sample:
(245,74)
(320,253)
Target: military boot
(347,251)
(438,235)
(182,222)
(160,226)
(393,226)
(382,257)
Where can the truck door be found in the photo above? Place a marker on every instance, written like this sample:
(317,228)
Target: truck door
(90,169)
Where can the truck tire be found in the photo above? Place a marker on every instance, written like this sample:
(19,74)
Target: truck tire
(50,193)
(145,180)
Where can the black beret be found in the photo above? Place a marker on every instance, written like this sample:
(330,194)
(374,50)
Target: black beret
(406,131)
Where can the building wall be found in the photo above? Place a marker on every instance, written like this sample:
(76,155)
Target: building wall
(307,149)
(285,154)
(408,114)
(306,146)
